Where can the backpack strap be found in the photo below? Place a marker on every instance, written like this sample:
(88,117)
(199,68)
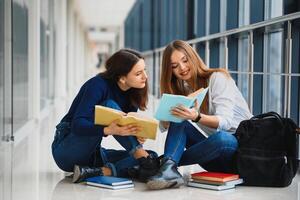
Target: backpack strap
(268,115)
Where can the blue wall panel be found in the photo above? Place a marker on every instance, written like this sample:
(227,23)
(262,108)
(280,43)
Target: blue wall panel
(201,17)
(256,11)
(232,14)
(214,16)
(214,54)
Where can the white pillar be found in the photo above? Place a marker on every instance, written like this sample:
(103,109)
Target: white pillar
(60,81)
(34,59)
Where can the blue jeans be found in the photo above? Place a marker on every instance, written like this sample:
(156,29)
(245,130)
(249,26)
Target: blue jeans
(69,149)
(186,146)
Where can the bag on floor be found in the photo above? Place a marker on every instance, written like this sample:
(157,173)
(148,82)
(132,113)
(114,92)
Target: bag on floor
(268,150)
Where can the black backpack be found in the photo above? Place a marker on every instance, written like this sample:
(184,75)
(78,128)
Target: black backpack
(268,150)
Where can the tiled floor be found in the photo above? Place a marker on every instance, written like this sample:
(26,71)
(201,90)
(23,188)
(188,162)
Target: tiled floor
(36,177)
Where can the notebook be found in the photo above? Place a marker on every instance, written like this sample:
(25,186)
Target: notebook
(210,187)
(215,176)
(110,182)
(233,182)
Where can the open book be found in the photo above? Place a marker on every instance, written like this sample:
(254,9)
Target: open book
(168,101)
(105,116)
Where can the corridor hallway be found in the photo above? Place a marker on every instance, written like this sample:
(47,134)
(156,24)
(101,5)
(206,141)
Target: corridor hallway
(49,48)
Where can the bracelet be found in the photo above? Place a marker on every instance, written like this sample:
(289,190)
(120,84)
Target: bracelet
(197,118)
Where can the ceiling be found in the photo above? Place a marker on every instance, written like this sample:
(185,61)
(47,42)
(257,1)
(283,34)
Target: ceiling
(103,18)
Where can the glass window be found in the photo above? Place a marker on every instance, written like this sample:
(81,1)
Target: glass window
(274,84)
(243,66)
(200,21)
(223,14)
(20,62)
(214,16)
(149,69)
(295,99)
(222,54)
(156,22)
(258,67)
(207,17)
(273,8)
(200,47)
(232,53)
(244,12)
(257,94)
(158,61)
(214,55)
(232,14)
(44,52)
(1,68)
(274,65)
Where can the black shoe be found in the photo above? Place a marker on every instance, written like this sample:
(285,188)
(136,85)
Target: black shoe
(167,177)
(147,167)
(81,173)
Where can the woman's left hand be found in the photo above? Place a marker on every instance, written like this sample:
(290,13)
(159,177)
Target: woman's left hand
(184,112)
(141,140)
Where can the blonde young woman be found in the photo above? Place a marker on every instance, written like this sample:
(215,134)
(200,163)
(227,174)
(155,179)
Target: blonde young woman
(224,107)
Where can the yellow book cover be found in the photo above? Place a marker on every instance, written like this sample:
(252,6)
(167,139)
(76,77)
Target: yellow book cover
(105,116)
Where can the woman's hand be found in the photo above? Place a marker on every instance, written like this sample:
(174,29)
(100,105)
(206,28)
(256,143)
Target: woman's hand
(115,129)
(141,140)
(165,124)
(184,112)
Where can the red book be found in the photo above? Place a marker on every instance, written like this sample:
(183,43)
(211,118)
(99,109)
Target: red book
(215,176)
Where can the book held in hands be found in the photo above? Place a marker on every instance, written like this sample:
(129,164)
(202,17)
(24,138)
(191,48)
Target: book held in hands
(105,116)
(110,182)
(168,101)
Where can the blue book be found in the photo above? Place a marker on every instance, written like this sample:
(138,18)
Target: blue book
(110,182)
(168,101)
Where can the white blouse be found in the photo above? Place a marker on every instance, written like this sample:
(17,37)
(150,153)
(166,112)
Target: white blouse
(226,102)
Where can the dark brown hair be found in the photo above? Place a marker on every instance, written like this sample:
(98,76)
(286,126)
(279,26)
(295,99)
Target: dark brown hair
(120,64)
(200,72)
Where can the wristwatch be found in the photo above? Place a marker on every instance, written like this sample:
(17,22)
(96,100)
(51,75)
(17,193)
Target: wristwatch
(197,118)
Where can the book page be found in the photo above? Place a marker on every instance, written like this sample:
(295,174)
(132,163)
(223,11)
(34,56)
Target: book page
(195,94)
(148,125)
(201,95)
(141,116)
(168,101)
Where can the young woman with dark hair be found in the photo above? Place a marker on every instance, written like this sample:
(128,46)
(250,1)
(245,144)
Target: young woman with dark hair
(77,143)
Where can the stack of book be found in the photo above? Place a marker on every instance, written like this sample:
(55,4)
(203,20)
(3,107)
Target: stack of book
(110,182)
(214,180)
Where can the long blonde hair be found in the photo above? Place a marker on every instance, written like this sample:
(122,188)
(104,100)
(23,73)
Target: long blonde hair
(200,72)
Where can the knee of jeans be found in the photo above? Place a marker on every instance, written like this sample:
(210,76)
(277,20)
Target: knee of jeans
(135,148)
(62,162)
(111,104)
(180,124)
(226,140)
